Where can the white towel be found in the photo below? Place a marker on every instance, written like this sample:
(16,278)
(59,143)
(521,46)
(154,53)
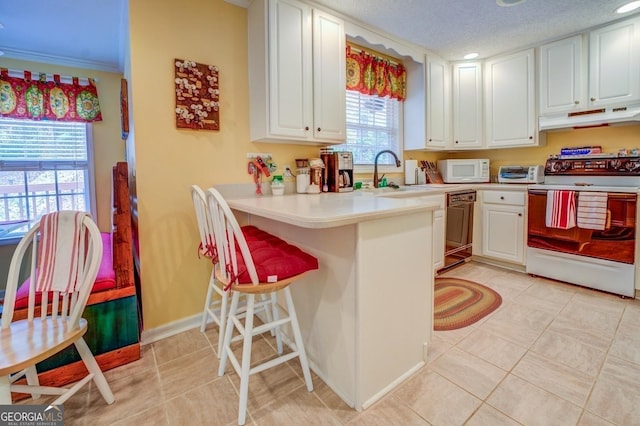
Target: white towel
(561,209)
(592,210)
(62,251)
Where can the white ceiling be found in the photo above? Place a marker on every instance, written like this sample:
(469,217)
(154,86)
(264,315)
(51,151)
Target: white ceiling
(90,33)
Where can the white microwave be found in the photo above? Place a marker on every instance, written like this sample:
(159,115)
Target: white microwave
(464,171)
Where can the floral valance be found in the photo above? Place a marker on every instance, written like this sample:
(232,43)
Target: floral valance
(48,99)
(371,74)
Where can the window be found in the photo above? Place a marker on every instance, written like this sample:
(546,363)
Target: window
(45,166)
(373,125)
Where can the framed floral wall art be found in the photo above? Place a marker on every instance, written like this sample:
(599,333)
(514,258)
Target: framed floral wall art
(197,95)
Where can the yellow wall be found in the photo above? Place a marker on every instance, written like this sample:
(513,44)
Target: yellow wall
(108,147)
(168,161)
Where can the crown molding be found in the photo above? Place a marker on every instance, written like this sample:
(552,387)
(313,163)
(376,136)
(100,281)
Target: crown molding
(241,3)
(27,55)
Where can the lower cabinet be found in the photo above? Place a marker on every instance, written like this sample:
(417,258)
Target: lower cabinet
(439,227)
(503,225)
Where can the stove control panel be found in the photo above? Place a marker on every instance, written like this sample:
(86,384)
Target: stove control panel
(616,166)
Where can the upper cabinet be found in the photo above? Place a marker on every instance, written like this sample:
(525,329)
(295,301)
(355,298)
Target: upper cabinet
(562,76)
(614,67)
(438,98)
(574,78)
(510,115)
(296,73)
(467,105)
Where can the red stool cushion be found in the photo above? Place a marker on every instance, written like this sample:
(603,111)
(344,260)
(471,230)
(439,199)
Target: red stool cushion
(274,258)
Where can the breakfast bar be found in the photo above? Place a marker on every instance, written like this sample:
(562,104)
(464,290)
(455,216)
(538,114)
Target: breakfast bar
(366,314)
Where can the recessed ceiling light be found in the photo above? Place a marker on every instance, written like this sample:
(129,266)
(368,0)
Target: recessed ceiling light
(470,55)
(507,3)
(628,7)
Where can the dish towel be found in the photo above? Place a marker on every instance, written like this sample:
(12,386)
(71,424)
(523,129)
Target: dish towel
(62,251)
(561,209)
(592,210)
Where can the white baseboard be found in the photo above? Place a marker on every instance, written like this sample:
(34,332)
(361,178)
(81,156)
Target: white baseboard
(171,329)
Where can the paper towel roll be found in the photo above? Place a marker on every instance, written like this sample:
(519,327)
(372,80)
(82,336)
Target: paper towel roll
(411,172)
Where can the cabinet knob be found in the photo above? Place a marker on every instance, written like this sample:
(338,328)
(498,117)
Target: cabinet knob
(530,137)
(520,214)
(577,102)
(430,140)
(457,142)
(593,99)
(502,198)
(319,129)
(306,127)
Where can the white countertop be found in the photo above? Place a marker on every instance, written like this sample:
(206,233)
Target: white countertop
(331,209)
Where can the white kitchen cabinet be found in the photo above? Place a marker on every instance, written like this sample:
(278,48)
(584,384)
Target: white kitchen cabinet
(573,78)
(510,115)
(296,73)
(438,103)
(503,230)
(614,64)
(439,227)
(562,74)
(467,105)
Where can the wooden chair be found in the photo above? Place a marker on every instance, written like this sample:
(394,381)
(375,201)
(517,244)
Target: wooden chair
(215,305)
(23,343)
(254,262)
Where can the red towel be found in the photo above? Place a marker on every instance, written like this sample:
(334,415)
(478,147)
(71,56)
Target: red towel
(62,251)
(561,209)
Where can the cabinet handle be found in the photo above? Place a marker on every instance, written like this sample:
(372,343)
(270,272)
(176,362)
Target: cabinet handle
(306,127)
(593,99)
(319,129)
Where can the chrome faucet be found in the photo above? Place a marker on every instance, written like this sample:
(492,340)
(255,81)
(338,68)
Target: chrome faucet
(375,165)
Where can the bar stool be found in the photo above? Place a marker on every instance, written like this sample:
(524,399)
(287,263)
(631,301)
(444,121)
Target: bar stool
(256,263)
(215,308)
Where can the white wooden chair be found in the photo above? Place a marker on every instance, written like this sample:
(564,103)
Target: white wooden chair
(244,274)
(215,305)
(56,321)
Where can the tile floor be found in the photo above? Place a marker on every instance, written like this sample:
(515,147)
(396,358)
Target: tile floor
(552,354)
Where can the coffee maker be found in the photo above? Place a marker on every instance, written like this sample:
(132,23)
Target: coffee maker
(339,170)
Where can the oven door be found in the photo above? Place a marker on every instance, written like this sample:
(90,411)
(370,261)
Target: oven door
(615,243)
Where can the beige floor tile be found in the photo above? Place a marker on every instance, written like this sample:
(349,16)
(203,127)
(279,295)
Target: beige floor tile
(514,331)
(436,399)
(570,351)
(390,411)
(180,345)
(212,403)
(437,347)
(557,378)
(524,402)
(147,361)
(489,416)
(594,312)
(296,408)
(616,395)
(141,390)
(151,417)
(506,285)
(493,348)
(189,371)
(453,336)
(331,400)
(626,347)
(469,372)
(630,319)
(575,329)
(589,419)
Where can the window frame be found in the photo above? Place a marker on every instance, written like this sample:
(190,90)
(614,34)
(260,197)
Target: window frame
(15,237)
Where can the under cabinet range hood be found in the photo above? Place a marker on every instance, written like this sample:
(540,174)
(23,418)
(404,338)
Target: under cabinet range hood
(592,118)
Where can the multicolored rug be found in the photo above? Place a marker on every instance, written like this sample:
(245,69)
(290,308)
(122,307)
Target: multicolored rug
(459,303)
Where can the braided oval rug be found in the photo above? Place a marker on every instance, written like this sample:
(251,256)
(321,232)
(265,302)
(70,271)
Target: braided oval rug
(459,303)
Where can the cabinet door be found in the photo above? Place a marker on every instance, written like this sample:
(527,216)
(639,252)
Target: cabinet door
(438,93)
(503,232)
(562,82)
(510,101)
(329,120)
(290,61)
(467,106)
(614,67)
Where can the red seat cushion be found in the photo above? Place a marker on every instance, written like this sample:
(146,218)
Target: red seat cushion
(274,258)
(106,279)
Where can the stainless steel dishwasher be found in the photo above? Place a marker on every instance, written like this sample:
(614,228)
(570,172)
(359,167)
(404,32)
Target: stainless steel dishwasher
(459,231)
